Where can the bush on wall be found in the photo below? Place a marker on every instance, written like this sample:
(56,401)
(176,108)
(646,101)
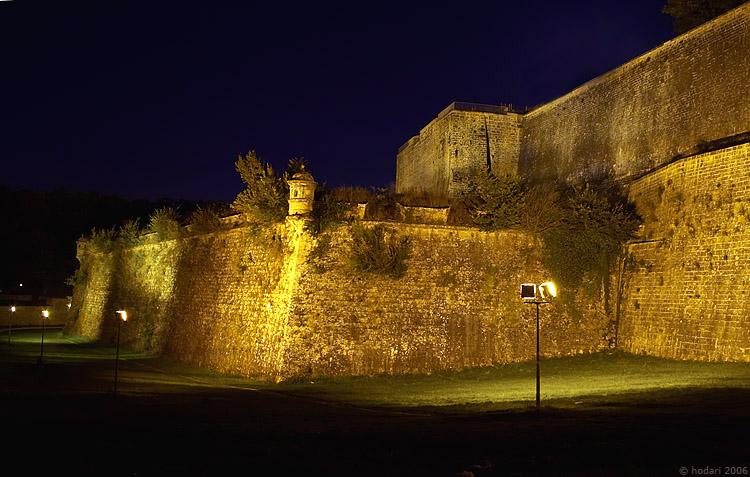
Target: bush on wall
(101,241)
(129,234)
(594,224)
(374,250)
(165,223)
(496,202)
(205,219)
(328,212)
(265,195)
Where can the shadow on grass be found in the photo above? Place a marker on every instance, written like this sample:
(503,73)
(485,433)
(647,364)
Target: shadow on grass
(645,416)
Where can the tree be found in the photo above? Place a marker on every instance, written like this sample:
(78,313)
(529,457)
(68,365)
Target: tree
(497,202)
(593,227)
(688,14)
(265,195)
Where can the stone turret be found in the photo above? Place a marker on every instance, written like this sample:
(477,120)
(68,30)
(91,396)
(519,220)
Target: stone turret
(301,192)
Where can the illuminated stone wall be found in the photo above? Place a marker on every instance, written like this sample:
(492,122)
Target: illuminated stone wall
(453,147)
(31,315)
(688,290)
(257,302)
(219,300)
(670,101)
(457,306)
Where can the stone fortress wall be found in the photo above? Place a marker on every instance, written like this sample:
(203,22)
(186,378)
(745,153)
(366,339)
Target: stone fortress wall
(672,101)
(455,145)
(258,302)
(672,125)
(274,302)
(682,97)
(687,293)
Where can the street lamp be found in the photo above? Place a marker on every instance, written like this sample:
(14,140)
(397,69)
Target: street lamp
(532,294)
(10,325)
(45,315)
(123,317)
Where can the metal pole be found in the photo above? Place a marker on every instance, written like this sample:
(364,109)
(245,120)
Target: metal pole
(537,356)
(41,356)
(117,356)
(10,326)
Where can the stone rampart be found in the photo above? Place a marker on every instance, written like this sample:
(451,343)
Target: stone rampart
(279,302)
(455,145)
(686,293)
(668,102)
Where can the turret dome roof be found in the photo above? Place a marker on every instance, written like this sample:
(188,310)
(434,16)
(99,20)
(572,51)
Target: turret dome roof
(303,175)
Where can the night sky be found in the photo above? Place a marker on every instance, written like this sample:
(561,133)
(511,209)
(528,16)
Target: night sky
(151,100)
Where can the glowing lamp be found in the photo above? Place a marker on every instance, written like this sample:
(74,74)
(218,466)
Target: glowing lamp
(45,313)
(123,314)
(547,290)
(13,309)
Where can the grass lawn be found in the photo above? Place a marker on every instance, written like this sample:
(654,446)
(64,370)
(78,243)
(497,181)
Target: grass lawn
(595,379)
(604,414)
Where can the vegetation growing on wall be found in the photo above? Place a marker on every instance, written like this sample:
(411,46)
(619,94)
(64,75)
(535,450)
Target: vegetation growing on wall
(165,223)
(328,212)
(101,241)
(129,234)
(205,219)
(581,249)
(265,195)
(383,206)
(496,202)
(377,250)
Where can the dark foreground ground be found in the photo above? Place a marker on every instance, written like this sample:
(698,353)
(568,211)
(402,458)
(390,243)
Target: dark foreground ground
(60,418)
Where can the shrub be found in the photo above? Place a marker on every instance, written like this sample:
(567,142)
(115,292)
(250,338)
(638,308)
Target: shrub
(328,212)
(383,207)
(374,250)
(590,233)
(352,195)
(205,219)
(497,202)
(265,195)
(165,223)
(541,210)
(129,233)
(79,278)
(102,241)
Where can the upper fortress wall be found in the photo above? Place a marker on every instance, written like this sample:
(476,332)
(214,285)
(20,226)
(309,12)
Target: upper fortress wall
(669,102)
(673,101)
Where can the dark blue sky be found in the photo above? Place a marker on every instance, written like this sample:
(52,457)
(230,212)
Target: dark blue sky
(150,100)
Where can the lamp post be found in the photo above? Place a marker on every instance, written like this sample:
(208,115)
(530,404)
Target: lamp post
(45,315)
(123,316)
(532,294)
(10,325)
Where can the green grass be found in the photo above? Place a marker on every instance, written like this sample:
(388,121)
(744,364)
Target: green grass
(658,414)
(602,378)
(610,378)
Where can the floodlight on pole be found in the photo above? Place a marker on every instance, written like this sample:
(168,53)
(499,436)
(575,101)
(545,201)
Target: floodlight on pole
(123,317)
(45,315)
(10,325)
(537,295)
